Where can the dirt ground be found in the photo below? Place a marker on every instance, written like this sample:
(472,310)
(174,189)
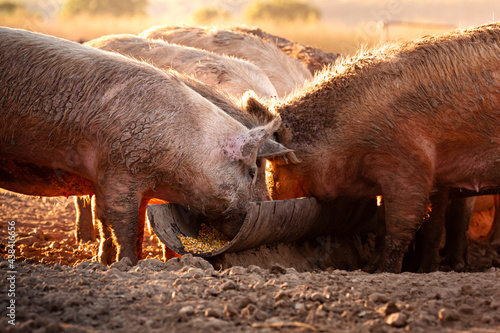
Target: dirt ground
(55,286)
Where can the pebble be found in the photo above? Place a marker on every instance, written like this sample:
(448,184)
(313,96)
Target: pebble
(389,308)
(466,289)
(229,285)
(448,315)
(486,319)
(230,310)
(281,295)
(318,297)
(185,312)
(190,260)
(467,309)
(210,292)
(173,264)
(259,315)
(254,269)
(378,298)
(397,319)
(215,313)
(299,306)
(242,301)
(152,264)
(235,270)
(284,303)
(193,272)
(495,305)
(123,265)
(116,273)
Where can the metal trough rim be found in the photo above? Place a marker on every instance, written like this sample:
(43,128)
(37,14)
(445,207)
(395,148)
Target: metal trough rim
(266,222)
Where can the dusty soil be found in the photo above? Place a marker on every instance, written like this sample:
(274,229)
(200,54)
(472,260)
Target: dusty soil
(58,288)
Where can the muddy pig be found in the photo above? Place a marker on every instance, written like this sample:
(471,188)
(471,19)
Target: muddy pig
(235,76)
(230,75)
(285,73)
(79,121)
(398,121)
(236,108)
(455,212)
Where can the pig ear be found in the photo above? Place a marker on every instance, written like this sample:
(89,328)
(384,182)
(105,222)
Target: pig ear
(245,146)
(271,148)
(253,106)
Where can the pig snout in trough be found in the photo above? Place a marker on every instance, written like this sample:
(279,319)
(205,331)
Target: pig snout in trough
(80,121)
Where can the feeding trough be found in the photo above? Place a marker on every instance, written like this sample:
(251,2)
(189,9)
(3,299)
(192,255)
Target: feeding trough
(266,222)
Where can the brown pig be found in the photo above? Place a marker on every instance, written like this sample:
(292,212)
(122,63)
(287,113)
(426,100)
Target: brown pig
(285,73)
(397,121)
(75,120)
(233,75)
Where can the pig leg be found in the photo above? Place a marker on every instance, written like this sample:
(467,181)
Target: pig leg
(140,227)
(404,216)
(426,257)
(458,217)
(117,209)
(376,257)
(107,250)
(84,226)
(406,200)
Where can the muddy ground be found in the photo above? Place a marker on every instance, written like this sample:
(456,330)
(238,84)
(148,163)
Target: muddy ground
(56,286)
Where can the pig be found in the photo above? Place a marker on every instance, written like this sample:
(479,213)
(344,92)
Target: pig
(312,58)
(235,76)
(455,212)
(285,73)
(80,121)
(230,75)
(84,226)
(234,107)
(397,121)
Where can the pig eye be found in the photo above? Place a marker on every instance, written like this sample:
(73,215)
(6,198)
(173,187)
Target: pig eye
(252,171)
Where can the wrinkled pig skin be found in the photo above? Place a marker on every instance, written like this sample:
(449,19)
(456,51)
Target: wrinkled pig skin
(398,121)
(83,121)
(236,108)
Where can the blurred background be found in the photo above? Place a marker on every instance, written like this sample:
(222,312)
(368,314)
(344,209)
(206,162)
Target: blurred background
(339,26)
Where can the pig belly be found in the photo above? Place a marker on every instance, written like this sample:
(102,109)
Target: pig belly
(30,179)
(470,166)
